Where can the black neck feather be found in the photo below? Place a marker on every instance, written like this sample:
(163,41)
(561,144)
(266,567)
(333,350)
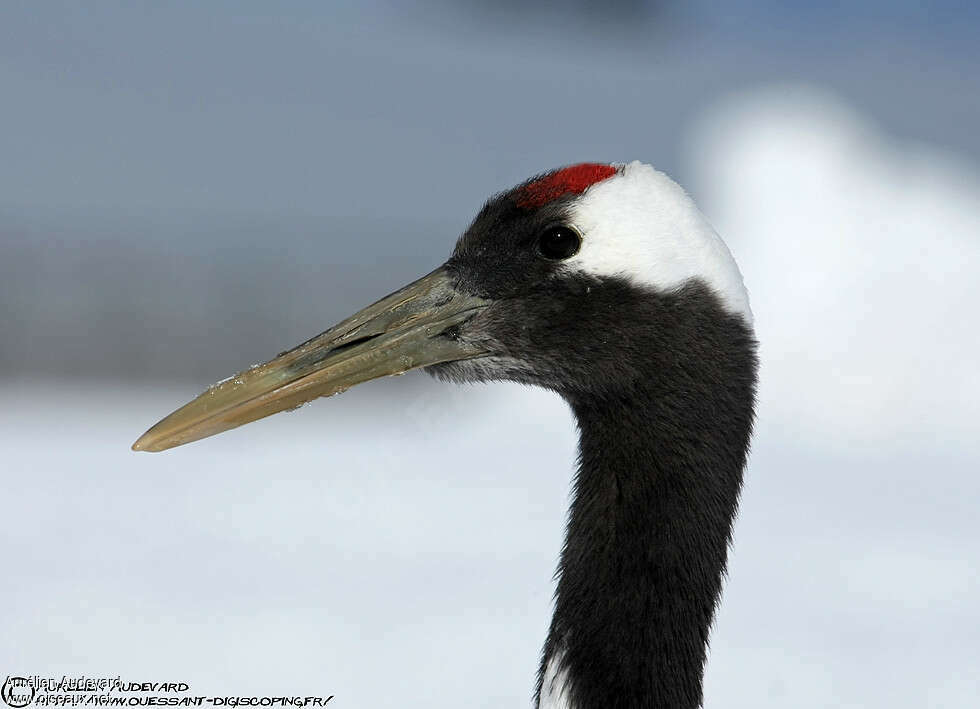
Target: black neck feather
(655,496)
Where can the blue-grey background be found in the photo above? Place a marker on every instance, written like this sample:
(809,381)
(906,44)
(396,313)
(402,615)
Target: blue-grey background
(189,188)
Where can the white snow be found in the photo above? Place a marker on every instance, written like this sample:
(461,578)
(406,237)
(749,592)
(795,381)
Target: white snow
(384,547)
(862,257)
(854,575)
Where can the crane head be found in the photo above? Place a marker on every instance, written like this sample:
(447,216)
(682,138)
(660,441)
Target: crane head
(565,281)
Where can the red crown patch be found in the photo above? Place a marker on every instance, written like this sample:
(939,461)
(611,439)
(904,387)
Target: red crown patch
(574,179)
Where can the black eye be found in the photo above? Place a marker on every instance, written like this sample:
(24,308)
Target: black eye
(559,242)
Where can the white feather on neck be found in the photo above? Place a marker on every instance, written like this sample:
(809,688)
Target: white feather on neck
(554,685)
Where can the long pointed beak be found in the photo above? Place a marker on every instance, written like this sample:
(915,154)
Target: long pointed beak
(411,328)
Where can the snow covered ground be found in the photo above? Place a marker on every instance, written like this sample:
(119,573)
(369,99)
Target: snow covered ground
(394,546)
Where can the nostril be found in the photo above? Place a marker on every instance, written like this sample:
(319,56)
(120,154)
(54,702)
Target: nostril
(353,343)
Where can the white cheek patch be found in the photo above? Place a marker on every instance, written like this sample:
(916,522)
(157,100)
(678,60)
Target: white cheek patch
(640,225)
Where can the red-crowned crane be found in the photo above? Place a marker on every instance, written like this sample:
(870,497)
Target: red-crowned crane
(605,284)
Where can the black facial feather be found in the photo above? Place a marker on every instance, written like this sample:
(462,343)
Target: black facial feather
(497,256)
(662,385)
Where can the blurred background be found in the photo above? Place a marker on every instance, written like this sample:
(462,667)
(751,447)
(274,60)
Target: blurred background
(189,188)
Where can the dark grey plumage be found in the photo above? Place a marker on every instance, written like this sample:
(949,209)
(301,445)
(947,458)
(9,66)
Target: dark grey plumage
(662,385)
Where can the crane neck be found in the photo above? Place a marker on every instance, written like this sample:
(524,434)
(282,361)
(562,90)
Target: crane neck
(654,500)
